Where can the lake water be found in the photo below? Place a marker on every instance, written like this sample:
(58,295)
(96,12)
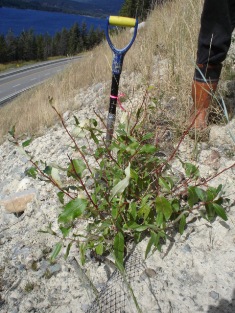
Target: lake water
(41,21)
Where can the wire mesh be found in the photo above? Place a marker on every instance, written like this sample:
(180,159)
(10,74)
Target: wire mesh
(116,296)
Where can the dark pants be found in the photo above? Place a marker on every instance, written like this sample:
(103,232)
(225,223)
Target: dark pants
(217,24)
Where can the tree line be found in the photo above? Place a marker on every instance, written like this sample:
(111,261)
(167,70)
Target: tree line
(139,8)
(30,46)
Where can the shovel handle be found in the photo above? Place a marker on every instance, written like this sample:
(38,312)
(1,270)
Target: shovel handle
(122,21)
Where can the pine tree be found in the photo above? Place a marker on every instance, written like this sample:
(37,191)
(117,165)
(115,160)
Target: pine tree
(129,8)
(138,8)
(3,49)
(73,42)
(11,46)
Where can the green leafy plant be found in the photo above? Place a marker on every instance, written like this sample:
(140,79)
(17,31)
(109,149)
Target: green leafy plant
(122,192)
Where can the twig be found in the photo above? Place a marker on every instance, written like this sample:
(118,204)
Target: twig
(216,175)
(73,140)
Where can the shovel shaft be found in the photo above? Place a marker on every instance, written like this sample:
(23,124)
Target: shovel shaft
(112,107)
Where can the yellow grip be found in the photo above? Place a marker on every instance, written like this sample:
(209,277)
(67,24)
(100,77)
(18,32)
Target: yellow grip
(122,21)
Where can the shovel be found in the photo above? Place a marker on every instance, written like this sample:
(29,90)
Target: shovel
(117,63)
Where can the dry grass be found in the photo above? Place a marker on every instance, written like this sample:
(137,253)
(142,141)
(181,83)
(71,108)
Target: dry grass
(170,34)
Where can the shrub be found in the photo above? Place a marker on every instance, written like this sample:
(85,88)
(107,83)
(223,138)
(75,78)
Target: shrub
(124,191)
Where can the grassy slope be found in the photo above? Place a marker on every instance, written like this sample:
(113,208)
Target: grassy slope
(170,34)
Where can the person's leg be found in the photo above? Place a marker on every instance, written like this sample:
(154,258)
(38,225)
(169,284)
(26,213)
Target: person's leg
(217,24)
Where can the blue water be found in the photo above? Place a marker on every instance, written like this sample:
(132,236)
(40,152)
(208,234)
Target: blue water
(41,21)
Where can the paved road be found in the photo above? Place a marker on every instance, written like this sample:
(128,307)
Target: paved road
(15,82)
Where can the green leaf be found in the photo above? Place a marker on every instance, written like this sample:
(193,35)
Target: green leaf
(135,226)
(60,195)
(219,210)
(159,219)
(93,136)
(190,170)
(162,182)
(211,194)
(152,241)
(99,249)
(169,181)
(163,206)
(67,250)
(133,211)
(121,186)
(114,212)
(48,170)
(144,211)
(27,143)
(31,172)
(76,120)
(148,148)
(134,175)
(82,250)
(219,188)
(119,249)
(182,224)
(201,194)
(175,204)
(72,210)
(12,131)
(210,211)
(138,113)
(192,196)
(132,148)
(65,231)
(56,251)
(147,136)
(76,168)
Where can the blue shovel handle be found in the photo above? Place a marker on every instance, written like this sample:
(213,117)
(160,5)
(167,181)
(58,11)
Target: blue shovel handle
(119,53)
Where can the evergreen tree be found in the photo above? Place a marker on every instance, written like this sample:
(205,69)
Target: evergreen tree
(84,35)
(138,8)
(73,42)
(62,48)
(11,46)
(3,49)
(40,48)
(27,46)
(47,46)
(129,8)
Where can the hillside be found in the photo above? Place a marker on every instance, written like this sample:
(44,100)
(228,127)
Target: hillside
(93,8)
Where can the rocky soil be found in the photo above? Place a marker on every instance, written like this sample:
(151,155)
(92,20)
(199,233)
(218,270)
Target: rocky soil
(193,273)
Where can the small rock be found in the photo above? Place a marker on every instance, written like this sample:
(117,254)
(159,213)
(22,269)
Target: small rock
(15,295)
(7,218)
(214,295)
(66,115)
(150,272)
(187,248)
(24,184)
(54,269)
